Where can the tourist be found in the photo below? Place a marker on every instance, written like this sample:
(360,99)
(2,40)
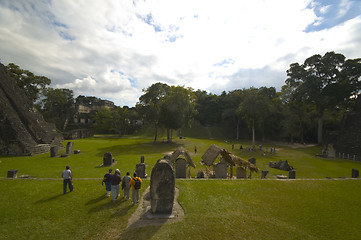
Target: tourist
(67,179)
(135,182)
(115,184)
(106,180)
(126,186)
(195,149)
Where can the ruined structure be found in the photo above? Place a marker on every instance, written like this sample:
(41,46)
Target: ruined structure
(281,165)
(23,130)
(227,160)
(86,109)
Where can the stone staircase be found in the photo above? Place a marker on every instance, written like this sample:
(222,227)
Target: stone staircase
(38,149)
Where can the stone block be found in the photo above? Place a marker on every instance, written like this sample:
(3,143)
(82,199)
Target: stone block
(200,174)
(355,173)
(12,173)
(252,160)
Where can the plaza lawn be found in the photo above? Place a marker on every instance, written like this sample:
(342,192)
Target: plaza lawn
(214,209)
(309,207)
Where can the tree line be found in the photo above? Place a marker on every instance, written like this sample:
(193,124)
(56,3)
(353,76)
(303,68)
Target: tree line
(316,96)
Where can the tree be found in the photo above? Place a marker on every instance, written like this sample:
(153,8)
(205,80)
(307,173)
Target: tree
(104,120)
(150,104)
(229,104)
(255,106)
(32,84)
(58,106)
(177,109)
(208,108)
(296,115)
(324,81)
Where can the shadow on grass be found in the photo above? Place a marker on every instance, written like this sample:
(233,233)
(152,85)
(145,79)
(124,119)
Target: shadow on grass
(122,212)
(95,200)
(140,233)
(139,148)
(44,200)
(105,206)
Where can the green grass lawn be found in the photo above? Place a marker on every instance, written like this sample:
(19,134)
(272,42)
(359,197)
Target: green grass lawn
(215,209)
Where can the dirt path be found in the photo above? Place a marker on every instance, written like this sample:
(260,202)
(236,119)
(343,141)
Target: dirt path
(143,216)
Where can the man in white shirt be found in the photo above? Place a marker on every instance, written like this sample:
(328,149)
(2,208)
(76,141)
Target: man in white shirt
(67,179)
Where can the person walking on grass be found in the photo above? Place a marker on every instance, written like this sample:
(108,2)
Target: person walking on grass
(126,186)
(115,184)
(106,180)
(67,179)
(135,182)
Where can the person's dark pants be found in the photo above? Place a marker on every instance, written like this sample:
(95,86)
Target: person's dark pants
(67,182)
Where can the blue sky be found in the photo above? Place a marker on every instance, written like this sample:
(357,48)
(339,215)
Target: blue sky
(113,49)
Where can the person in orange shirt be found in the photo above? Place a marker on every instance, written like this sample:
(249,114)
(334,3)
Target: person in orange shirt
(136,183)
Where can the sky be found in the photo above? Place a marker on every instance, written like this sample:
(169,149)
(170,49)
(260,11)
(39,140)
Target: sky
(114,49)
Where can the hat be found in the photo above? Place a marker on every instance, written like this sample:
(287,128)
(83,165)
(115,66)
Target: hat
(117,170)
(67,167)
(110,170)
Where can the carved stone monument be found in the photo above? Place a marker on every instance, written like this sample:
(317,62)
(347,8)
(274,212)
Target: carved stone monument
(70,148)
(107,159)
(264,174)
(162,188)
(241,172)
(221,170)
(292,174)
(54,151)
(355,173)
(180,168)
(140,170)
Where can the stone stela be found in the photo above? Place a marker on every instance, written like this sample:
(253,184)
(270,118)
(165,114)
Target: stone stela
(108,159)
(69,147)
(162,188)
(180,168)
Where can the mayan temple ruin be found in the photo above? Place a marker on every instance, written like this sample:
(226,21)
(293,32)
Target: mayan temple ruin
(23,130)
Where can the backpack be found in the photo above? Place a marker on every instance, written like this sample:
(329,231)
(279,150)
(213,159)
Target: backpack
(137,183)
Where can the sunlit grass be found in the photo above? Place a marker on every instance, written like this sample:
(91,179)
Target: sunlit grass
(215,209)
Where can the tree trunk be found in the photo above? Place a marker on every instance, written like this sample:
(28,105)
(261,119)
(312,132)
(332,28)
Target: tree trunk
(155,131)
(168,135)
(301,134)
(319,128)
(237,136)
(253,135)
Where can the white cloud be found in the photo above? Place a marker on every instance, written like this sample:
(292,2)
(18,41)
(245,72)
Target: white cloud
(114,49)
